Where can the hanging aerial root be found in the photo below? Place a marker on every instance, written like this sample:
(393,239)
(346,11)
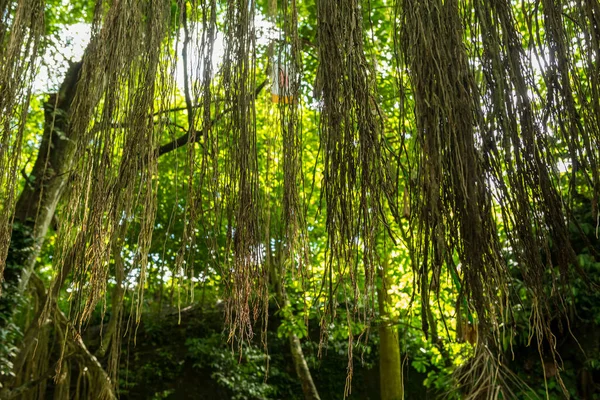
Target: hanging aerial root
(453,203)
(21,26)
(354,162)
(485,149)
(522,156)
(116,163)
(485,377)
(246,274)
(573,80)
(293,216)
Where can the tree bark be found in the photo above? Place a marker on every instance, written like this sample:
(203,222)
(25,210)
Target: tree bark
(390,365)
(306,381)
(74,345)
(43,188)
(308,386)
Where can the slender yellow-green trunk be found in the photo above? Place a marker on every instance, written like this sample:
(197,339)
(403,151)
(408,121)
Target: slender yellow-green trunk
(390,366)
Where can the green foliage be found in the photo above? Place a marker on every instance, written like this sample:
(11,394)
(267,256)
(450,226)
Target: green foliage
(9,336)
(162,365)
(12,300)
(243,374)
(435,357)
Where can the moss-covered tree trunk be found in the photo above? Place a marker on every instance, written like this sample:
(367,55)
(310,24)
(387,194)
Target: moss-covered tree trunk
(38,200)
(43,188)
(390,365)
(33,217)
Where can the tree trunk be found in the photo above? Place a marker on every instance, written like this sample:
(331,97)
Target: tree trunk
(43,188)
(306,381)
(308,386)
(390,365)
(45,185)
(34,213)
(100,382)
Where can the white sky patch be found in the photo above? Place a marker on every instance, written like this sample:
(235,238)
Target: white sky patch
(196,58)
(72,42)
(265,33)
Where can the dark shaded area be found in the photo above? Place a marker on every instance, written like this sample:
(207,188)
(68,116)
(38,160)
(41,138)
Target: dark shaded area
(163,361)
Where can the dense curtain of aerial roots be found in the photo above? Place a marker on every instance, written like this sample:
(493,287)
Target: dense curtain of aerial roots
(21,27)
(494,99)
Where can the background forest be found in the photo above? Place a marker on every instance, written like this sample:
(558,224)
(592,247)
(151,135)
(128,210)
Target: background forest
(280,199)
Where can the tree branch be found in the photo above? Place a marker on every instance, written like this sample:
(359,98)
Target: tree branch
(74,343)
(185,138)
(186,76)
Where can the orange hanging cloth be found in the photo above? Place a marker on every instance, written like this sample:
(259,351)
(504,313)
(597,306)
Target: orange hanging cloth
(282,77)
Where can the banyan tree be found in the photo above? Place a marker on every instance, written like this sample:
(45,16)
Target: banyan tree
(308,144)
